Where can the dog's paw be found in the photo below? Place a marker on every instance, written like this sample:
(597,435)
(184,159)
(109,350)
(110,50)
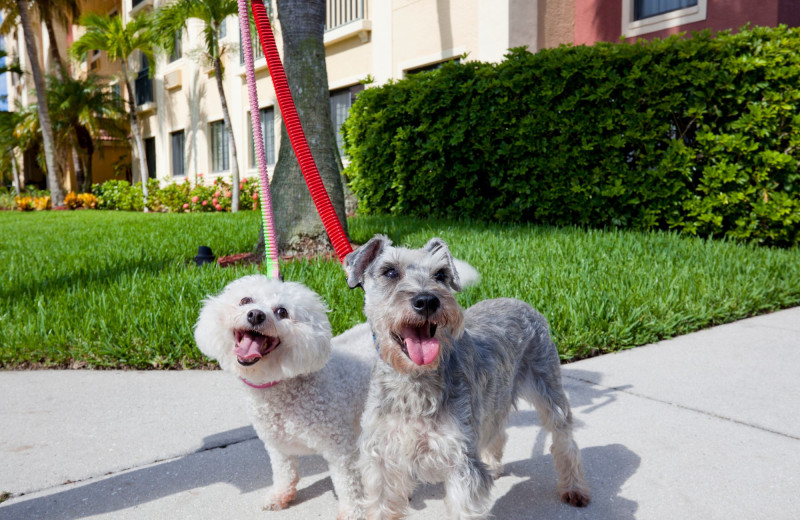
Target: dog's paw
(279,499)
(350,514)
(576,498)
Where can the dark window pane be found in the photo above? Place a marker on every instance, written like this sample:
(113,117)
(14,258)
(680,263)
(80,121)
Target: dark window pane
(178,167)
(150,156)
(647,8)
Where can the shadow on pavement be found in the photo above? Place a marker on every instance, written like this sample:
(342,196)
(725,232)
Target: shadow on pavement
(238,458)
(243,463)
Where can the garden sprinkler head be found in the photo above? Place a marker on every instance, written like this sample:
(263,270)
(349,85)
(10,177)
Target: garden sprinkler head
(204,256)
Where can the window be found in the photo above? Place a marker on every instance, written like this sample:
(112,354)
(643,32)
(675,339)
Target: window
(150,156)
(432,66)
(648,8)
(341,101)
(178,153)
(144,83)
(222,31)
(258,52)
(220,147)
(647,16)
(177,51)
(267,116)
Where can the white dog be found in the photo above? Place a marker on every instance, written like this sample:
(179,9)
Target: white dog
(303,399)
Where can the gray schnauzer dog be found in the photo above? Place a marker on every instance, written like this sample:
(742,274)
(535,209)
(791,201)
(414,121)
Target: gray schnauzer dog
(439,402)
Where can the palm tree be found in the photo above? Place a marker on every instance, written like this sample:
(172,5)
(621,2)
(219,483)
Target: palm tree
(172,19)
(49,11)
(120,41)
(48,141)
(8,145)
(302,27)
(8,121)
(84,111)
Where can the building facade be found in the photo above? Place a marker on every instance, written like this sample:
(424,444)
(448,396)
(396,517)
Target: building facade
(367,42)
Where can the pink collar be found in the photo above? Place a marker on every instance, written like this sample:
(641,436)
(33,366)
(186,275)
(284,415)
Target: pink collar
(253,385)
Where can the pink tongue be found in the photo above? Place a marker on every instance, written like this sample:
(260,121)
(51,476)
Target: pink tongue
(249,346)
(421,347)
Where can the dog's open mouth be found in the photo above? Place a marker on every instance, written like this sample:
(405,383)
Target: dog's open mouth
(419,343)
(251,346)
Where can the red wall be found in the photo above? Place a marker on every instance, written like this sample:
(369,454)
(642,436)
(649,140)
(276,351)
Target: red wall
(601,20)
(597,20)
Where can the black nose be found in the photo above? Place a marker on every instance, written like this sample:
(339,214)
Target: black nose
(256,317)
(425,303)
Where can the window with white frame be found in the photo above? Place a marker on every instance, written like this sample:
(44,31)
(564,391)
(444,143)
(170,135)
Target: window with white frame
(258,52)
(267,117)
(341,101)
(220,147)
(178,153)
(647,8)
(177,51)
(646,16)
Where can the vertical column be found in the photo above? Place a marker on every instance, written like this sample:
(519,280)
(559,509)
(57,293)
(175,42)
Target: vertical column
(493,29)
(382,40)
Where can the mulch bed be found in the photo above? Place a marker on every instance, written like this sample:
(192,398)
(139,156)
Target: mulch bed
(306,250)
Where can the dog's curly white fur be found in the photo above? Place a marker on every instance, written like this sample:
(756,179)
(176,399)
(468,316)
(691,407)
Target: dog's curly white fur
(439,402)
(275,336)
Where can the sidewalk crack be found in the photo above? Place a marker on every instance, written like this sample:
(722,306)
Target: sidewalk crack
(681,406)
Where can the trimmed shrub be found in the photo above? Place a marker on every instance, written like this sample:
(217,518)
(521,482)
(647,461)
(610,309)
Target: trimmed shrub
(119,195)
(698,134)
(175,197)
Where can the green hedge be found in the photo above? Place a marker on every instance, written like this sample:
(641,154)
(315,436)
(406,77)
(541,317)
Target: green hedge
(179,197)
(699,134)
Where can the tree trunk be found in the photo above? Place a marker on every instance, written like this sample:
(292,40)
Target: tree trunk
(59,68)
(83,142)
(296,218)
(60,71)
(15,176)
(144,173)
(226,118)
(56,192)
(77,165)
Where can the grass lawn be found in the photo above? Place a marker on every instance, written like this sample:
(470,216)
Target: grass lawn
(119,289)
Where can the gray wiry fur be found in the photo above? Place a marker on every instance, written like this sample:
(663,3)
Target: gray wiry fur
(444,420)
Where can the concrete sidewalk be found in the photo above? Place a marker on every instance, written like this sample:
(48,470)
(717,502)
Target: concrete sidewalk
(703,426)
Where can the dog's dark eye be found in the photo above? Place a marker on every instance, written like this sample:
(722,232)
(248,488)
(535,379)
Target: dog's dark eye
(440,276)
(281,313)
(246,300)
(391,273)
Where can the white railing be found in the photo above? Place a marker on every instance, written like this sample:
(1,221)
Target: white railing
(341,12)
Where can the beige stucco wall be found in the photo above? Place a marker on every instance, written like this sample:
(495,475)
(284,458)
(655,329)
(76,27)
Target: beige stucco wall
(556,22)
(394,36)
(427,31)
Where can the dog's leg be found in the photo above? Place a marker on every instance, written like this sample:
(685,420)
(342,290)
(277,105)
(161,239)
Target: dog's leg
(284,480)
(347,484)
(492,455)
(468,491)
(387,487)
(554,412)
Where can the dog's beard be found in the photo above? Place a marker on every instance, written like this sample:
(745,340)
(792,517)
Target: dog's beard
(251,346)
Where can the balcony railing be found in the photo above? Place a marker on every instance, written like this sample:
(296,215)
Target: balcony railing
(342,12)
(144,89)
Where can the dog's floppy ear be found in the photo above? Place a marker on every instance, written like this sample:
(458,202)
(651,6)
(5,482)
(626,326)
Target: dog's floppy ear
(356,263)
(438,246)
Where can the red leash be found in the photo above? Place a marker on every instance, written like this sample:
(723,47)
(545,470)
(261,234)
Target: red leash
(289,113)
